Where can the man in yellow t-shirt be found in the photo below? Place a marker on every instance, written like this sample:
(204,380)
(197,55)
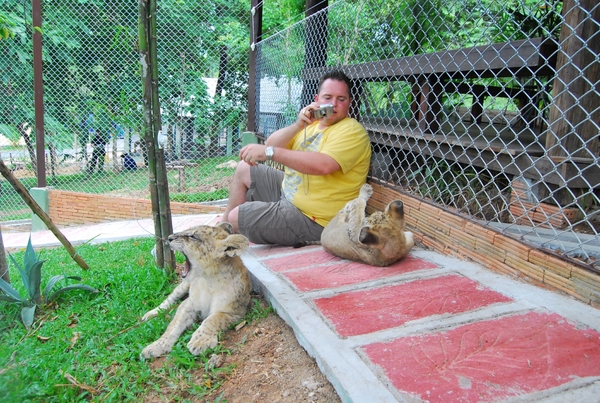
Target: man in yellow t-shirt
(326,162)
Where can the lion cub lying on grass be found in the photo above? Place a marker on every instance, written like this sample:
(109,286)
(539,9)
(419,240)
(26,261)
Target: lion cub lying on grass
(217,285)
(378,240)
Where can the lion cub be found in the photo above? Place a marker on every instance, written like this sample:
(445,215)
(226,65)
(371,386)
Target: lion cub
(378,240)
(216,282)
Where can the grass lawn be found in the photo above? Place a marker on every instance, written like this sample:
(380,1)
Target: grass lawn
(86,347)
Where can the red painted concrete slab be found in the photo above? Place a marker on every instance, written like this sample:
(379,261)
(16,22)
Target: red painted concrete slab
(490,360)
(367,311)
(346,273)
(306,258)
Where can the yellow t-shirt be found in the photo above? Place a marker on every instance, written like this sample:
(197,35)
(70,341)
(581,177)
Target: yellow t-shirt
(320,197)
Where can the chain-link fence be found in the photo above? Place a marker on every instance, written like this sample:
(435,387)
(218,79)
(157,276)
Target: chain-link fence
(488,108)
(485,107)
(93,97)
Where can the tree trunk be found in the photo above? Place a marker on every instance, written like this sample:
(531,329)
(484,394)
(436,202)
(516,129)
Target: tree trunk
(29,145)
(4,274)
(222,71)
(157,172)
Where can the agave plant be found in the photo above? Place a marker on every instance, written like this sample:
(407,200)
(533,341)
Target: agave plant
(31,275)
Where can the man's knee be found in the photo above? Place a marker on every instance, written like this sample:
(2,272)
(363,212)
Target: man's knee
(242,174)
(232,218)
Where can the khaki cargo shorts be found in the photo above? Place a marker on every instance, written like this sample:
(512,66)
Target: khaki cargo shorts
(268,217)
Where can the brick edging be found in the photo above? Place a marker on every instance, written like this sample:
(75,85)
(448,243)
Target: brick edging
(453,234)
(73,208)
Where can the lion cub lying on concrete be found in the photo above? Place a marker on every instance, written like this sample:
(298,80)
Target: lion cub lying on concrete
(217,285)
(378,240)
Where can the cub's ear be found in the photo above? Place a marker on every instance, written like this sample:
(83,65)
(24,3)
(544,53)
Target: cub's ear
(226,226)
(367,237)
(395,210)
(235,245)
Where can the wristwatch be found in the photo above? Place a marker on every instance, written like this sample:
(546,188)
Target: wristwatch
(269,152)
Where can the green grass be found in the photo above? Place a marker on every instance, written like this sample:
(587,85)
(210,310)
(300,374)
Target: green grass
(87,347)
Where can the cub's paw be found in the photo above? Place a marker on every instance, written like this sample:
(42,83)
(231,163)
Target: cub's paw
(202,342)
(150,314)
(366,191)
(155,349)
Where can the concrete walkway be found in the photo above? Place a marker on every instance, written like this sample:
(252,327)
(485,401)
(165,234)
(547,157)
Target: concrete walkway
(429,328)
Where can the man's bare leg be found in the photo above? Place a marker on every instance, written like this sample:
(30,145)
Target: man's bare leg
(237,193)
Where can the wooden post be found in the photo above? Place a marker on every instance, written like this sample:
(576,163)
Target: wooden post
(315,45)
(20,189)
(253,74)
(574,114)
(38,85)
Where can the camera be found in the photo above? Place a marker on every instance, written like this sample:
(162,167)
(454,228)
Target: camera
(323,111)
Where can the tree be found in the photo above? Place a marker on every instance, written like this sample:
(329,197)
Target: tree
(4,274)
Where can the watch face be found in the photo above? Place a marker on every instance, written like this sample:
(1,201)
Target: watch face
(269,152)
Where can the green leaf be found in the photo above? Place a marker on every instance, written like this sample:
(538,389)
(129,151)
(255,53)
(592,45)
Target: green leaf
(6,298)
(27,313)
(10,291)
(29,258)
(24,274)
(51,283)
(69,288)
(35,280)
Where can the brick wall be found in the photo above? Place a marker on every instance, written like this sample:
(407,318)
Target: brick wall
(71,208)
(455,235)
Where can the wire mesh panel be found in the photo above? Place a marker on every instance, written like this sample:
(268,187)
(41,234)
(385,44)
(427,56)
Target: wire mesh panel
(93,97)
(488,108)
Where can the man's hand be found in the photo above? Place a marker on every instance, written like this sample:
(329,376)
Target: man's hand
(253,153)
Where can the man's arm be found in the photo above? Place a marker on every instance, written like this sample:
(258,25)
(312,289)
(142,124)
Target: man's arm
(283,136)
(306,162)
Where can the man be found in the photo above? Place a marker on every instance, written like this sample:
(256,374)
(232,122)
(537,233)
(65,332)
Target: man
(99,141)
(326,162)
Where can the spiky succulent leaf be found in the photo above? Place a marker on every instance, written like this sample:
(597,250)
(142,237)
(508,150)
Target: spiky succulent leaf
(6,298)
(29,258)
(35,280)
(50,285)
(24,274)
(12,295)
(69,288)
(27,314)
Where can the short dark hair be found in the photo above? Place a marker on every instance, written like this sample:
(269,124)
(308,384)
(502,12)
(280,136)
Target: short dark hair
(336,75)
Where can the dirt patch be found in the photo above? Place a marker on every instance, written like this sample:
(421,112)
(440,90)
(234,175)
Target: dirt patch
(272,367)
(269,365)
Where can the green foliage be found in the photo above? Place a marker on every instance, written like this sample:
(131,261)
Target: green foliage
(31,275)
(258,311)
(218,194)
(97,341)
(6,26)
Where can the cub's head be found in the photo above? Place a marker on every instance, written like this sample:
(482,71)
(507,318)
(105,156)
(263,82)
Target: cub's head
(383,234)
(207,245)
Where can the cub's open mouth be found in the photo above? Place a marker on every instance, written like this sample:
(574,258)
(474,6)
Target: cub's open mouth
(186,267)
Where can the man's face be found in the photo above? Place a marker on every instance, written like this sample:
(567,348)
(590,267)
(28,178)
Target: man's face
(336,93)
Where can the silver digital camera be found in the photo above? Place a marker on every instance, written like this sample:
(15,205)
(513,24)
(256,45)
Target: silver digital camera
(323,111)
